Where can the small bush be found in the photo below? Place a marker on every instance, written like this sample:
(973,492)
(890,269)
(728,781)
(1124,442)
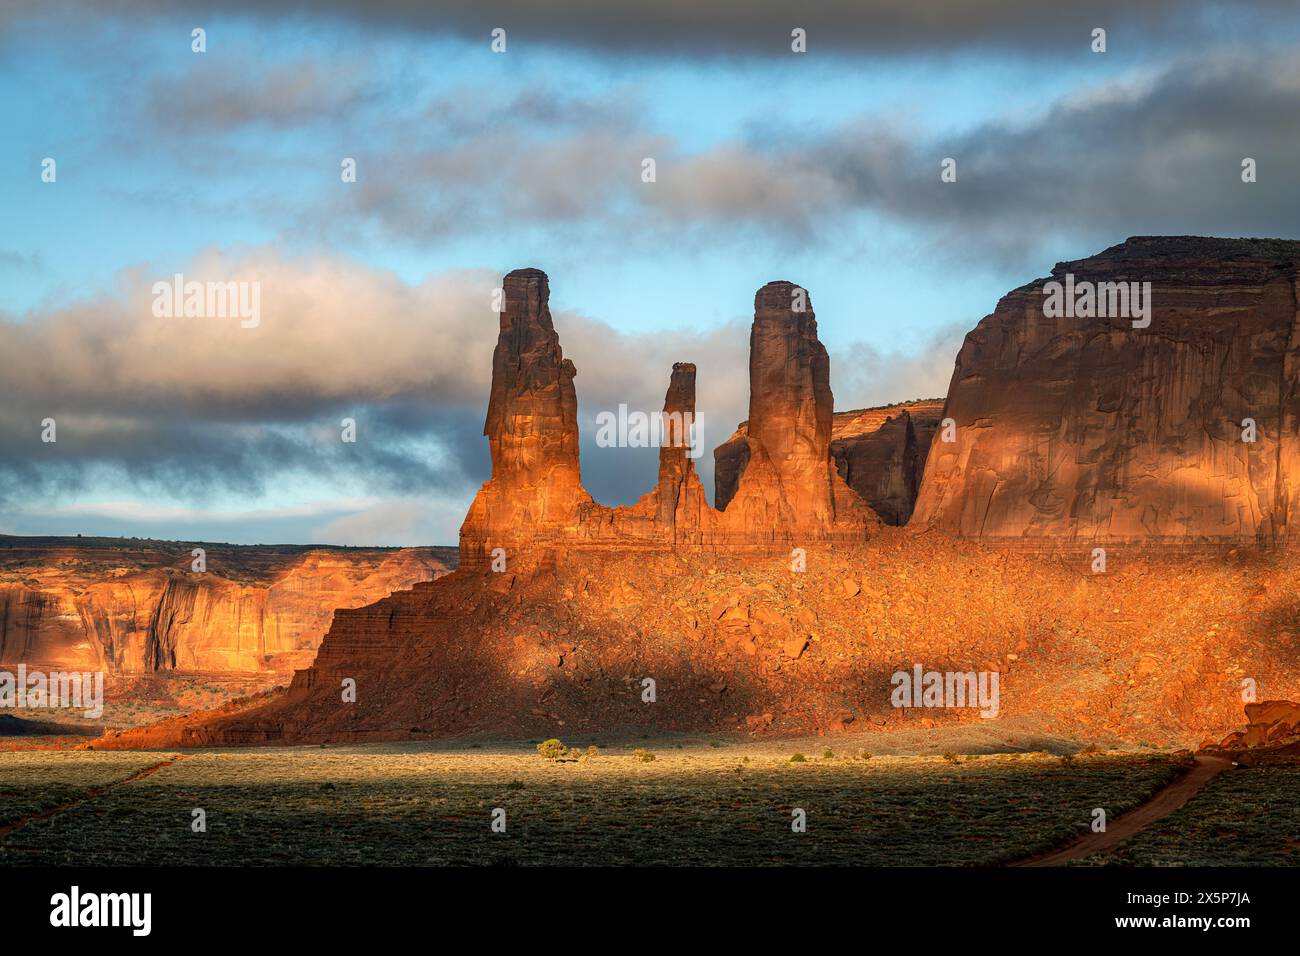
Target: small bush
(552,749)
(644,756)
(828,754)
(798,758)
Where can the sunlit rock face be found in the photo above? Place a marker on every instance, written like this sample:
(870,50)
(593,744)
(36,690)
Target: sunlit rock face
(1086,427)
(789,480)
(535,504)
(532,430)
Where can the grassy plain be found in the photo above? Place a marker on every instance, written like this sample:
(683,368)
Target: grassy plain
(687,802)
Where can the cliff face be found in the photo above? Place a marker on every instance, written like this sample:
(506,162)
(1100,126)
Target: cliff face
(879,452)
(128,607)
(1078,427)
(535,505)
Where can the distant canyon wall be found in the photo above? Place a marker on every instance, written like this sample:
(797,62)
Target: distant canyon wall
(132,608)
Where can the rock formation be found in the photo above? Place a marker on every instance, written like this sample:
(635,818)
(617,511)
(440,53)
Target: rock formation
(1272,735)
(879,452)
(1074,429)
(1092,429)
(129,607)
(1153,650)
(532,431)
(535,507)
(789,480)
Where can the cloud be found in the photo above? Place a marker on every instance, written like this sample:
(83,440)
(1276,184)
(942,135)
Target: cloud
(398,522)
(187,408)
(863,376)
(687,28)
(1158,152)
(244,92)
(175,413)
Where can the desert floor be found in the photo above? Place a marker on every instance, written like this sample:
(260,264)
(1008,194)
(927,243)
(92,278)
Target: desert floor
(685,800)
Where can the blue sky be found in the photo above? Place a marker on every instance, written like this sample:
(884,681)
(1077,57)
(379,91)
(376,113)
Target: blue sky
(821,168)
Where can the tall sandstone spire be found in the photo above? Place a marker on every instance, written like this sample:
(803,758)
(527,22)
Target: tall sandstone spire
(788,485)
(532,430)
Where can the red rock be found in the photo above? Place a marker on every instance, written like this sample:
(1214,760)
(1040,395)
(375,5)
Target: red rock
(535,508)
(254,610)
(532,431)
(1089,428)
(789,487)
(879,452)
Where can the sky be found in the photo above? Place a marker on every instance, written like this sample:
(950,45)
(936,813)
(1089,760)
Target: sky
(820,167)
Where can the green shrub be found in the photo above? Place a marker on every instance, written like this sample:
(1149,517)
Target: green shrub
(552,749)
(798,758)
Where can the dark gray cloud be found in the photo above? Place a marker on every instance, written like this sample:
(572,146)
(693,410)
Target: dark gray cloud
(1158,155)
(757,27)
(1159,152)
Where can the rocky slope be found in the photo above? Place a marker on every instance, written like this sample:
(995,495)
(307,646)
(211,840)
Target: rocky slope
(1100,429)
(130,606)
(1155,650)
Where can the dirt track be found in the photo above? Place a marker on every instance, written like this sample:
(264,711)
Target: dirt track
(1158,807)
(9,828)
